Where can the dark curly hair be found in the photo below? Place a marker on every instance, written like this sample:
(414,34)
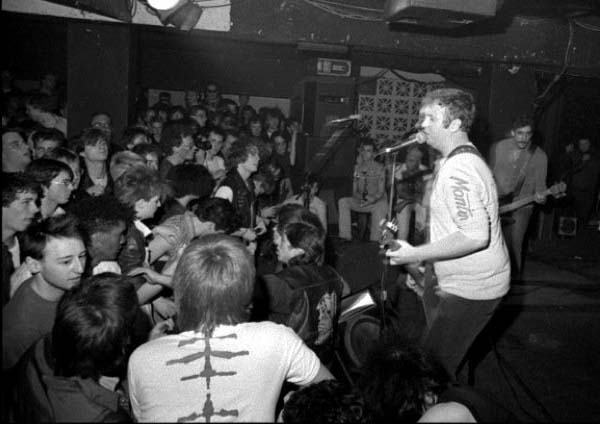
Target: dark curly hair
(396,380)
(328,401)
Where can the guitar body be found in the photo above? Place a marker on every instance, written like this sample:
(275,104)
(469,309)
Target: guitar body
(389,230)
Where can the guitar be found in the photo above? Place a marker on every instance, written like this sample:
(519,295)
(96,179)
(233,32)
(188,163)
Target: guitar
(557,191)
(389,229)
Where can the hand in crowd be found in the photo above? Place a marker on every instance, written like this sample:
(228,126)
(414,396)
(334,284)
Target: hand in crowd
(162,329)
(165,308)
(540,198)
(152,276)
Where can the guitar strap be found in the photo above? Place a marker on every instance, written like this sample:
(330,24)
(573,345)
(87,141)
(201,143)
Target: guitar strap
(520,177)
(465,148)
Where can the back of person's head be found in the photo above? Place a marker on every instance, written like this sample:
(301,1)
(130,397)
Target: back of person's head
(16,183)
(292,212)
(221,212)
(138,182)
(92,333)
(37,236)
(45,170)
(133,136)
(328,401)
(305,236)
(459,104)
(521,121)
(63,154)
(239,152)
(173,134)
(90,137)
(265,179)
(190,179)
(100,214)
(122,161)
(400,382)
(213,284)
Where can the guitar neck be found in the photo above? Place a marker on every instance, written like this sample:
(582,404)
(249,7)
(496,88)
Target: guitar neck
(520,202)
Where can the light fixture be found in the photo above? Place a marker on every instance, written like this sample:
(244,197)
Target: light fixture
(163,4)
(182,14)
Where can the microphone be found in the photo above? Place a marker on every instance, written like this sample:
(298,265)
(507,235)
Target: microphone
(417,137)
(345,119)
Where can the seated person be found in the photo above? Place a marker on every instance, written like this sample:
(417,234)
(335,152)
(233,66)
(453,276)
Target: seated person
(403,384)
(245,363)
(75,373)
(326,402)
(305,295)
(368,193)
(55,254)
(409,189)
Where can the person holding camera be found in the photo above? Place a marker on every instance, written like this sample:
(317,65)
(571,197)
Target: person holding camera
(209,153)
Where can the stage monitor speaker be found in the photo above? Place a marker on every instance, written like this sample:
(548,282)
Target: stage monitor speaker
(118,9)
(439,13)
(567,226)
(315,101)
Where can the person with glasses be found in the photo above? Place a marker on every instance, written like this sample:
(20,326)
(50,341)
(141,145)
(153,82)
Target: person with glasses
(212,97)
(56,180)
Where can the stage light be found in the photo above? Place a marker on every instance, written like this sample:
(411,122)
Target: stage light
(183,15)
(163,4)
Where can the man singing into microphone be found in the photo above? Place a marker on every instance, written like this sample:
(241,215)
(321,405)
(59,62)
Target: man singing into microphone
(466,246)
(368,192)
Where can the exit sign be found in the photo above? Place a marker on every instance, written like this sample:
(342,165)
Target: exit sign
(337,67)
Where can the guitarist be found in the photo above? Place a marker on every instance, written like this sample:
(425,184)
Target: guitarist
(520,169)
(469,256)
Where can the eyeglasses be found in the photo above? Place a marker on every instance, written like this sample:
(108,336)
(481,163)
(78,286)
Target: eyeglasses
(67,183)
(211,90)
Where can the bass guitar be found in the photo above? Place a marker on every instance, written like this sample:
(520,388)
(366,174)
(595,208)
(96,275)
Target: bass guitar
(415,279)
(556,191)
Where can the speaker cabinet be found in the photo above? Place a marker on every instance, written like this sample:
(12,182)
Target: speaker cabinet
(315,101)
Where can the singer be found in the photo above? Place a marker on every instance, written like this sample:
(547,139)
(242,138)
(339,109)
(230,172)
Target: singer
(466,247)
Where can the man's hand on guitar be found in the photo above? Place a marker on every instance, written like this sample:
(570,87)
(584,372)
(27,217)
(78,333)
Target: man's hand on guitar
(404,254)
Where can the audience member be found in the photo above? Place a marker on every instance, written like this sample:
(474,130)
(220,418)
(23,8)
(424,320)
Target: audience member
(584,181)
(103,121)
(92,146)
(245,363)
(15,151)
(19,208)
(77,372)
(368,193)
(328,401)
(103,221)
(177,142)
(132,137)
(403,384)
(306,294)
(70,158)
(55,253)
(122,161)
(151,154)
(188,182)
(45,141)
(212,159)
(39,109)
(56,181)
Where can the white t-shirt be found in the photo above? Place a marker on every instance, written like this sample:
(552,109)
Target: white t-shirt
(236,375)
(464,198)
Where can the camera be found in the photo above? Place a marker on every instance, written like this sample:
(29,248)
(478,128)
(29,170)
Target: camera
(202,143)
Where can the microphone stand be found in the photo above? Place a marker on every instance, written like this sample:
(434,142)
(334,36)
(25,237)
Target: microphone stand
(386,261)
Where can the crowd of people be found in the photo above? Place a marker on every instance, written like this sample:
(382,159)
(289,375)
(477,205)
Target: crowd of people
(175,273)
